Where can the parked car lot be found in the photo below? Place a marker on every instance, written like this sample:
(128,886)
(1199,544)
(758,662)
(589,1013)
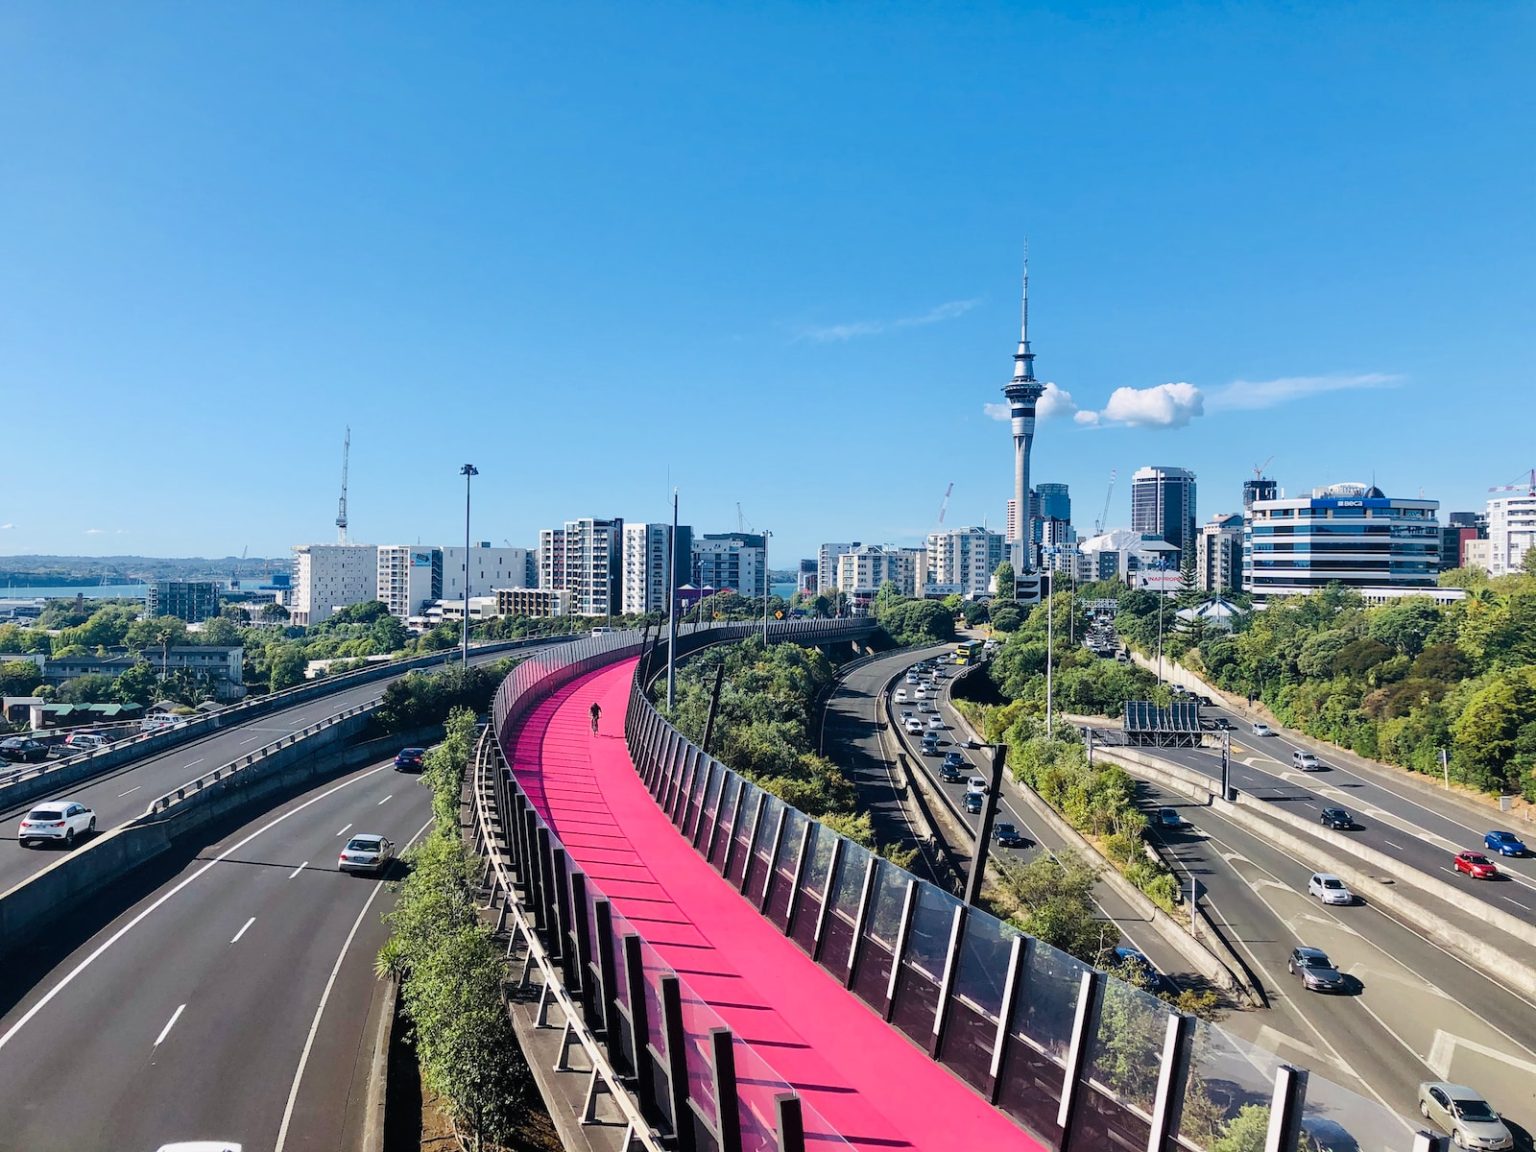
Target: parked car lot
(23,750)
(62,820)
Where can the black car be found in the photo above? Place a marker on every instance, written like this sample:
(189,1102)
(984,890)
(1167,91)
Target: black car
(1206,701)
(948,772)
(1222,724)
(23,749)
(1315,971)
(1008,836)
(1337,818)
(973,801)
(410,759)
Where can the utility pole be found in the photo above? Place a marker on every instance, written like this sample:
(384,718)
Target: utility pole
(766,535)
(1049,638)
(468,472)
(984,834)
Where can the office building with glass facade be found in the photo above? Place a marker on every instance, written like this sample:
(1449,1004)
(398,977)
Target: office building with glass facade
(1350,534)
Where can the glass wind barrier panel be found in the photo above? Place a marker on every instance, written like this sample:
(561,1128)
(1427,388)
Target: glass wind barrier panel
(1230,1081)
(723,831)
(980,973)
(761,863)
(782,883)
(742,834)
(757,1087)
(1038,1037)
(704,825)
(1123,1061)
(843,913)
(873,967)
(698,1019)
(922,965)
(813,882)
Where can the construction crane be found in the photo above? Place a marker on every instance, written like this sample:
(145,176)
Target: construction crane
(341,506)
(1529,487)
(1258,469)
(1098,525)
(741,520)
(944,505)
(234,577)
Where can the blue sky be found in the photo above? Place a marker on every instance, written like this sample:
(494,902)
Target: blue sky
(768,252)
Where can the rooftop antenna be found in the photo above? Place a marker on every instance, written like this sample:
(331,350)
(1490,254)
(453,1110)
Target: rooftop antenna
(341,505)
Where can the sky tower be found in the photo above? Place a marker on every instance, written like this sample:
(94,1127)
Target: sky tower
(1022,393)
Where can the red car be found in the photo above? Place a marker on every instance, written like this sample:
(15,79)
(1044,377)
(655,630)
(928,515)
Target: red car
(1476,865)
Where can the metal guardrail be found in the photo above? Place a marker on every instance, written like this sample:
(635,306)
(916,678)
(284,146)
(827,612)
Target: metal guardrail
(193,728)
(160,803)
(603,1077)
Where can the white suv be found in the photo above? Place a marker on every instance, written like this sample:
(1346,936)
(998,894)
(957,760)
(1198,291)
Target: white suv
(56,820)
(1305,761)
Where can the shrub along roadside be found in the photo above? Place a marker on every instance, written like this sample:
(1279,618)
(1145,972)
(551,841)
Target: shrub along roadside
(451,970)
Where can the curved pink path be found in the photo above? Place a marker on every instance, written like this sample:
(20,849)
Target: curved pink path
(867,1079)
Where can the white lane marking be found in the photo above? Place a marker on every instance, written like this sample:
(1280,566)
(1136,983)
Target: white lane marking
(1516,903)
(299,869)
(236,938)
(169,1024)
(384,801)
(1389,844)
(194,763)
(252,740)
(314,1026)
(137,920)
(130,791)
(344,829)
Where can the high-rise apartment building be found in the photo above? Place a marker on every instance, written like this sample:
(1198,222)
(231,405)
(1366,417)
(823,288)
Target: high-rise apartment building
(409,578)
(1055,502)
(584,560)
(732,560)
(1460,527)
(331,576)
(1352,534)
(862,572)
(647,552)
(1163,504)
(826,563)
(805,583)
(1511,530)
(1259,488)
(189,600)
(1219,554)
(962,560)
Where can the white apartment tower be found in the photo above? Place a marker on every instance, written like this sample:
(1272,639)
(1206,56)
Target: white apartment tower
(963,559)
(331,576)
(863,571)
(646,547)
(489,569)
(409,577)
(1511,530)
(584,560)
(826,563)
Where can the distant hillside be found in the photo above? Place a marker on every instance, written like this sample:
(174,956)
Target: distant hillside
(42,571)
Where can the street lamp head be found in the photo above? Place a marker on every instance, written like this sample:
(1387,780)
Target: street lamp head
(469,470)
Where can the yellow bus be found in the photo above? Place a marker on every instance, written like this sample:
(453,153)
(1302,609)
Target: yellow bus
(968,651)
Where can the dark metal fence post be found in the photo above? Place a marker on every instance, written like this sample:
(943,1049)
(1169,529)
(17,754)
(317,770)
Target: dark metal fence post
(714,702)
(549,917)
(947,981)
(639,1021)
(1090,992)
(903,931)
(730,833)
(773,857)
(727,1105)
(829,886)
(791,1125)
(563,930)
(677,1061)
(802,858)
(984,833)
(861,921)
(583,941)
(757,823)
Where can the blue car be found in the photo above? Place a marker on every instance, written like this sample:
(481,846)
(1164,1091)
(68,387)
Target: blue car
(1504,843)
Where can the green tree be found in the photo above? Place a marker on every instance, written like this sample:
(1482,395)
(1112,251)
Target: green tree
(220,632)
(19,677)
(285,663)
(273,612)
(1056,898)
(92,688)
(1006,617)
(1004,581)
(388,634)
(137,685)
(156,632)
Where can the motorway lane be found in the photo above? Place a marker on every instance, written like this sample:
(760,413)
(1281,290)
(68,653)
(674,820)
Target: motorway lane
(1395,824)
(124,793)
(186,1021)
(1132,930)
(1419,1012)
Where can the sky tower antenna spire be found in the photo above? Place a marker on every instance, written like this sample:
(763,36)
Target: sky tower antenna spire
(341,505)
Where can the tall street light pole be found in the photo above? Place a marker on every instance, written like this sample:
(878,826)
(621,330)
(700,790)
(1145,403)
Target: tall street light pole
(1050,629)
(766,535)
(672,608)
(468,472)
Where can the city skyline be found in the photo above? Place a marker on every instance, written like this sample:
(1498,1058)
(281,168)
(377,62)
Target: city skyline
(417,233)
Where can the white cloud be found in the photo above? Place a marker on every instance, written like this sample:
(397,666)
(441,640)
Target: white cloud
(1053,402)
(1247,395)
(836,333)
(95,531)
(1161,406)
(5,527)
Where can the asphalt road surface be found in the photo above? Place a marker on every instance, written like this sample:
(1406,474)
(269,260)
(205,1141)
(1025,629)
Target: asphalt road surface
(230,1003)
(123,793)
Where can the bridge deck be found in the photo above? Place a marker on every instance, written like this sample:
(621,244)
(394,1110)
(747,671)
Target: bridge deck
(869,1082)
